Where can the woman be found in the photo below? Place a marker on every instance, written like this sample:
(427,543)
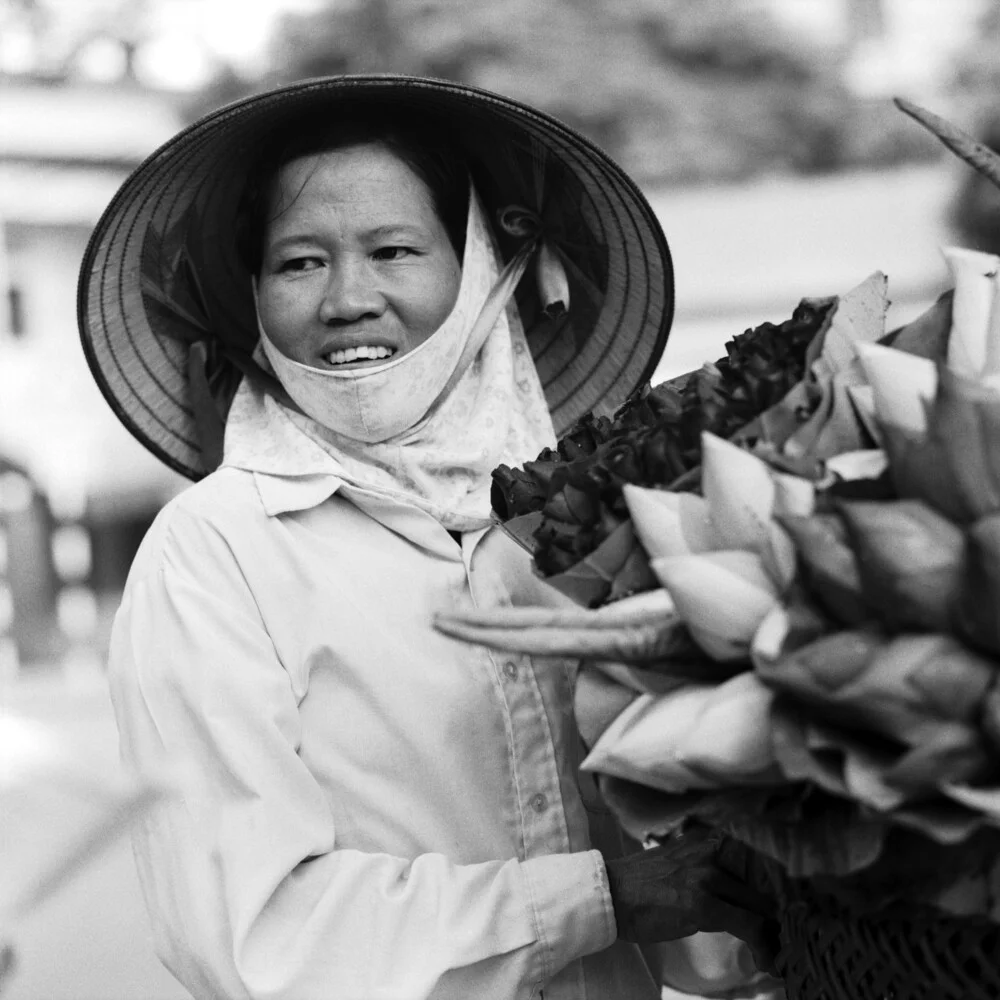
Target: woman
(370,809)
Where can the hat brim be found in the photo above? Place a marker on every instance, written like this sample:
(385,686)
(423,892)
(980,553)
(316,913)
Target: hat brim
(172,224)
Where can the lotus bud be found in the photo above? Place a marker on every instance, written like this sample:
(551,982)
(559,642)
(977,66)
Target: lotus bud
(902,384)
(722,597)
(831,569)
(910,559)
(955,466)
(818,670)
(907,687)
(696,737)
(977,609)
(938,675)
(668,524)
(740,493)
(733,731)
(974,343)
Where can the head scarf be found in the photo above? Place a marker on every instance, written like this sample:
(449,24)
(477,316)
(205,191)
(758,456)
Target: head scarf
(429,427)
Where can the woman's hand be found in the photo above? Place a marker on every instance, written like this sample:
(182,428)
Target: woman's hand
(686,885)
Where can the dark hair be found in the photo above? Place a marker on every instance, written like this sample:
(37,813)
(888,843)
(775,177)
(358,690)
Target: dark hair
(423,149)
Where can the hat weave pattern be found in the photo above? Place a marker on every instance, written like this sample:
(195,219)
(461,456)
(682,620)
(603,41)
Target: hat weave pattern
(165,307)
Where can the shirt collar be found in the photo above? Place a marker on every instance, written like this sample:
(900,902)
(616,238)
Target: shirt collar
(282,494)
(293,473)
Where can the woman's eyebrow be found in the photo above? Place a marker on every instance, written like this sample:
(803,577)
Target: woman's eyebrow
(290,239)
(397,229)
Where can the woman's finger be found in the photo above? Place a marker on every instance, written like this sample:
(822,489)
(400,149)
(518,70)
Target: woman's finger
(738,893)
(760,933)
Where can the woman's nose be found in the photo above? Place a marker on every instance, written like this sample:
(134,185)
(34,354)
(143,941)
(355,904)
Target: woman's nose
(352,293)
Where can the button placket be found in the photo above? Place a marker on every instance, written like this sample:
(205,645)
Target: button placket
(543,828)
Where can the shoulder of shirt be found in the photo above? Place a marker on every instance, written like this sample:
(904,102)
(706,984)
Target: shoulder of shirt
(222,497)
(213,506)
(205,516)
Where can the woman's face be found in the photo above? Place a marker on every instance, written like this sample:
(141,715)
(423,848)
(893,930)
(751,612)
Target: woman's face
(357,265)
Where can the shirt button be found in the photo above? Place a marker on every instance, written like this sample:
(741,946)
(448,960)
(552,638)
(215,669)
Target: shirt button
(510,670)
(539,803)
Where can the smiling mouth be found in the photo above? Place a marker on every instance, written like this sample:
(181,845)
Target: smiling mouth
(353,355)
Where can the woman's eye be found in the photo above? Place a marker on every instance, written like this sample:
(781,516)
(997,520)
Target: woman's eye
(299,264)
(392,253)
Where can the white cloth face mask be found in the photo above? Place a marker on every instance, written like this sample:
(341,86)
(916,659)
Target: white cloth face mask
(383,403)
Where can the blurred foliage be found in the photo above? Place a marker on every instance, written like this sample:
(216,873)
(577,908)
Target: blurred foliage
(676,90)
(976,209)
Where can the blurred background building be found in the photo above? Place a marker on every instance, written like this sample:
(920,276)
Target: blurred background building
(762,132)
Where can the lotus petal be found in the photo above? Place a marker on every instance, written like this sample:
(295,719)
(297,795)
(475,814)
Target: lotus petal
(910,560)
(982,800)
(868,463)
(919,469)
(793,495)
(907,688)
(863,400)
(948,752)
(815,673)
(785,629)
(669,524)
(864,771)
(740,493)
(597,701)
(831,569)
(696,737)
(902,384)
(977,610)
(974,344)
(722,597)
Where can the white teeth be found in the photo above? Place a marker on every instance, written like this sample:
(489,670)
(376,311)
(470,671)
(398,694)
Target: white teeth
(365,352)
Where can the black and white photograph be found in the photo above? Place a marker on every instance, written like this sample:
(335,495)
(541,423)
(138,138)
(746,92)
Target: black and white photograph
(499,500)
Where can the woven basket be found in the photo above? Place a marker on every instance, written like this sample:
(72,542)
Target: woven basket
(831,952)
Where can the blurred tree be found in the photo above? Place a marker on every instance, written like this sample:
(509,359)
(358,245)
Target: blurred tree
(677,90)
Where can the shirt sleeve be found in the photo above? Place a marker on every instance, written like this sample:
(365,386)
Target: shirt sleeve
(247,889)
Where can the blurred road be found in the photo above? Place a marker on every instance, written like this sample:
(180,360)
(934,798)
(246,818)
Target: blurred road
(742,255)
(92,940)
(745,255)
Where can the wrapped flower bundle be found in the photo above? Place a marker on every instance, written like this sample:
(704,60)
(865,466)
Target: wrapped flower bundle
(816,666)
(776,384)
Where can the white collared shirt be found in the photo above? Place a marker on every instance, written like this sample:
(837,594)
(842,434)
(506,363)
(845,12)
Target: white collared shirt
(370,809)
